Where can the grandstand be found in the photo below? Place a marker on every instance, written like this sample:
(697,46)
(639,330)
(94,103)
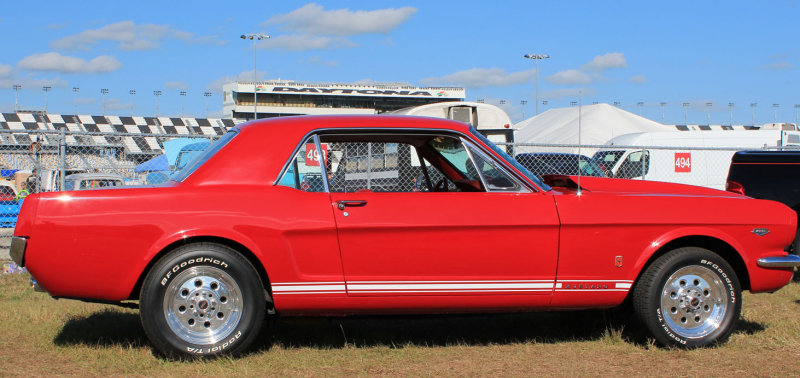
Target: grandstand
(98,131)
(286,98)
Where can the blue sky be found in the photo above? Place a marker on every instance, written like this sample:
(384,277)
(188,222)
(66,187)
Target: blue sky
(677,52)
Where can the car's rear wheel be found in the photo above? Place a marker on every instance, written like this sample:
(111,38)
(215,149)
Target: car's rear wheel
(202,299)
(689,297)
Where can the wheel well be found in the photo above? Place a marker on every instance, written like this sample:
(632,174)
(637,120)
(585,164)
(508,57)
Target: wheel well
(244,251)
(712,244)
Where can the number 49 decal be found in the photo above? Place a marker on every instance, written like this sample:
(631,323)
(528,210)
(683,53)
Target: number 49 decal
(312,155)
(683,162)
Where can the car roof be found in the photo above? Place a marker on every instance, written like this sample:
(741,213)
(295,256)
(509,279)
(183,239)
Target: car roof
(267,144)
(310,123)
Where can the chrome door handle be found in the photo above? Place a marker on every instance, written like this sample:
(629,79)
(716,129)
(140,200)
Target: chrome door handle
(354,203)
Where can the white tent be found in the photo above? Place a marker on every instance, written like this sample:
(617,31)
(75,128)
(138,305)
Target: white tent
(599,123)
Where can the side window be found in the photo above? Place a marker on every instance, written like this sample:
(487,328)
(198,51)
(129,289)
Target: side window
(496,179)
(374,166)
(456,154)
(305,171)
(637,164)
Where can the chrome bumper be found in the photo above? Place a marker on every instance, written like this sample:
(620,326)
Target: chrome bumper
(17,250)
(789,261)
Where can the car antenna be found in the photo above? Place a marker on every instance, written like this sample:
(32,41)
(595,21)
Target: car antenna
(580,113)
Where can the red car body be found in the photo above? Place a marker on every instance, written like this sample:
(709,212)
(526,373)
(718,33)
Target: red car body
(403,252)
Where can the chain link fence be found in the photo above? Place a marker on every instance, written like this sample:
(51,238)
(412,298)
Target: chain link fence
(38,161)
(701,166)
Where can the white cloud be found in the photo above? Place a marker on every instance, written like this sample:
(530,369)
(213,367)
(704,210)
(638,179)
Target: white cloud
(316,60)
(128,36)
(567,93)
(216,85)
(481,77)
(175,85)
(6,70)
(303,42)
(56,62)
(638,79)
(116,104)
(31,82)
(85,100)
(605,62)
(778,66)
(570,77)
(313,19)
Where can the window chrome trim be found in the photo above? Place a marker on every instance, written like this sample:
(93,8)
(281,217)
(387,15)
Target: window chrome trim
(322,164)
(471,147)
(526,186)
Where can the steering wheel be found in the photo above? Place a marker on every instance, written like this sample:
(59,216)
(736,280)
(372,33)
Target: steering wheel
(441,186)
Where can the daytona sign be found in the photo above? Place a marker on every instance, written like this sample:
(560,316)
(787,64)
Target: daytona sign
(352,91)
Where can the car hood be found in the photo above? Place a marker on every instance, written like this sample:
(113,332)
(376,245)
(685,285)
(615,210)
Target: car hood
(563,183)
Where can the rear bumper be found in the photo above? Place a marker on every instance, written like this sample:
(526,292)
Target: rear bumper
(17,250)
(789,261)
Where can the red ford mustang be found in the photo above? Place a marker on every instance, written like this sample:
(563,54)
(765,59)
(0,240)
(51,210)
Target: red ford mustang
(386,215)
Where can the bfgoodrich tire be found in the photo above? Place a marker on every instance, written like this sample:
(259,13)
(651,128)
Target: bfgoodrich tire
(689,297)
(202,300)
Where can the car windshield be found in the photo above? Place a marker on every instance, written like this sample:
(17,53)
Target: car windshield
(607,159)
(535,179)
(203,156)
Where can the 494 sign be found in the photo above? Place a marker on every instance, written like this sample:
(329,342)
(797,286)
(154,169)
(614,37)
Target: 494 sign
(683,162)
(312,155)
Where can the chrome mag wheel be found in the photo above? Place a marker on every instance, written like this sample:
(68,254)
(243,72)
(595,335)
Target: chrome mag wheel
(203,305)
(694,301)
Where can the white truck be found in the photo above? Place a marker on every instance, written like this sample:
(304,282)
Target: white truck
(699,158)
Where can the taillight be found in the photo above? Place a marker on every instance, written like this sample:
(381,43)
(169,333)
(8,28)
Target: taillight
(735,187)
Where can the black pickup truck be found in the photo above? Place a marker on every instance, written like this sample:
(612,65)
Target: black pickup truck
(772,175)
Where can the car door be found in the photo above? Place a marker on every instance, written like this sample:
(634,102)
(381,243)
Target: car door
(450,236)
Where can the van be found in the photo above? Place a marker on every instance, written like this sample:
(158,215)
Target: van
(697,158)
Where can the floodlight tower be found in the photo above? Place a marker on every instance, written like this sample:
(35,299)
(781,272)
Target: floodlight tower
(16,87)
(75,91)
(46,89)
(536,58)
(104,91)
(255,38)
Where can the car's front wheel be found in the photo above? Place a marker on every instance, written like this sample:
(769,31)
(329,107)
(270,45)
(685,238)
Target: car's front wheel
(689,297)
(202,299)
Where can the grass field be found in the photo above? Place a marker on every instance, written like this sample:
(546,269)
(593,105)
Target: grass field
(42,336)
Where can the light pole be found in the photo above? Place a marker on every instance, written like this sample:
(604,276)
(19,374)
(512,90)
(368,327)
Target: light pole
(16,87)
(75,91)
(104,91)
(796,106)
(639,105)
(536,58)
(523,103)
(544,103)
(183,96)
(685,106)
(46,89)
(207,95)
(156,93)
(775,108)
(616,103)
(255,38)
(132,92)
(708,112)
(753,107)
(662,110)
(730,106)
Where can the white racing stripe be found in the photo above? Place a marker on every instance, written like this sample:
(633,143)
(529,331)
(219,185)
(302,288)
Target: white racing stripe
(472,286)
